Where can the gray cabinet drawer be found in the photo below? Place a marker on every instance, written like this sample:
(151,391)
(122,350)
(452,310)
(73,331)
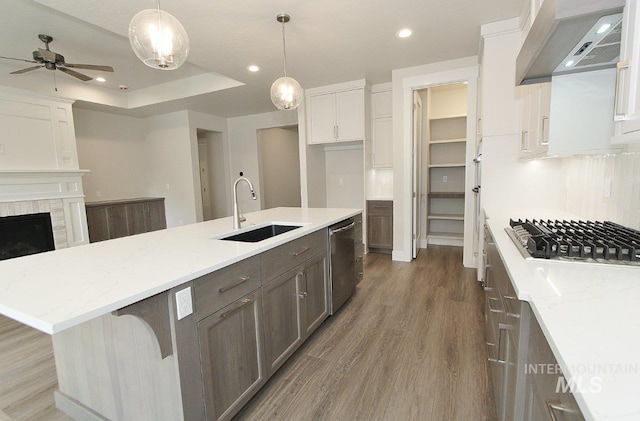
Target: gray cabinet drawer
(380,206)
(277,261)
(222,287)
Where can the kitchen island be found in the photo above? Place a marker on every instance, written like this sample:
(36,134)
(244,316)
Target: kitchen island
(263,298)
(589,315)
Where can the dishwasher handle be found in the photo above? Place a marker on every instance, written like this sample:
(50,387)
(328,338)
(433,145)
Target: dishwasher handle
(345,228)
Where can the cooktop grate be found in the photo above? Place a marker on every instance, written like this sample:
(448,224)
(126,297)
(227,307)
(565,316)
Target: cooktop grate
(580,240)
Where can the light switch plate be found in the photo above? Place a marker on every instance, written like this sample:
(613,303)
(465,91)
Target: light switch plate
(184,304)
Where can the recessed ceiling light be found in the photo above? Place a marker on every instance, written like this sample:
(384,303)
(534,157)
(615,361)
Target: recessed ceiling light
(253,68)
(603,28)
(405,33)
(101,79)
(569,63)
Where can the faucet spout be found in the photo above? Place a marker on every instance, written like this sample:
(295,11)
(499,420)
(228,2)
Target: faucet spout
(237,217)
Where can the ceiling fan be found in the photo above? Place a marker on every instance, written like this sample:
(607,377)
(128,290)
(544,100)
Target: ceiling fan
(54,61)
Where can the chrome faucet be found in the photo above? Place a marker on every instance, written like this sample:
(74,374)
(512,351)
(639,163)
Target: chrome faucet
(237,218)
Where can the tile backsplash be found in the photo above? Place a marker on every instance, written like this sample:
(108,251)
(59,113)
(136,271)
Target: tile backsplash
(603,187)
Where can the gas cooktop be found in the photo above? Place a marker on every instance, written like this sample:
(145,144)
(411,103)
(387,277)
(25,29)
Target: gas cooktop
(598,242)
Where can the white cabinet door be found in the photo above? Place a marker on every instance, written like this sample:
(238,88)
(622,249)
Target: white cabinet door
(627,102)
(350,115)
(382,143)
(381,104)
(524,93)
(322,118)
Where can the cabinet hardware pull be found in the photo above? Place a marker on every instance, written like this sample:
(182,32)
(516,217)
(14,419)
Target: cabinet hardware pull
(491,309)
(545,137)
(507,300)
(524,144)
(501,328)
(301,251)
(303,295)
(241,281)
(241,304)
(556,406)
(618,112)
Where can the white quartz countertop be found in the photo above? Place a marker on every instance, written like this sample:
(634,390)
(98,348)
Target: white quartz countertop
(56,290)
(590,314)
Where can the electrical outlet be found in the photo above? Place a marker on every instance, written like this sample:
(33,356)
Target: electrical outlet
(1,148)
(444,178)
(98,193)
(607,187)
(168,187)
(184,304)
(340,182)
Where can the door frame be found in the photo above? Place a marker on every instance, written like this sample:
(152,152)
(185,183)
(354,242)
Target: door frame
(402,167)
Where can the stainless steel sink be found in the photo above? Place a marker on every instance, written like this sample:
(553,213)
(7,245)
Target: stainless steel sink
(262,233)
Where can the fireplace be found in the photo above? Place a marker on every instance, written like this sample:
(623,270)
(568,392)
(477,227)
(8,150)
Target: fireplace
(25,234)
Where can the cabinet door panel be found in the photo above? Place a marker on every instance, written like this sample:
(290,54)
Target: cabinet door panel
(322,118)
(382,142)
(281,319)
(118,226)
(232,363)
(316,308)
(350,115)
(380,231)
(157,219)
(137,216)
(98,224)
(381,104)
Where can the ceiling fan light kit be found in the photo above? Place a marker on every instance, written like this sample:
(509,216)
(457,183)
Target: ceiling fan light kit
(158,39)
(286,92)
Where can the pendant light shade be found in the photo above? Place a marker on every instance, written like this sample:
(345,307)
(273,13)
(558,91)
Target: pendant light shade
(286,92)
(158,39)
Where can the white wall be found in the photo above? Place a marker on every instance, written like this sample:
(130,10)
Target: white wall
(279,160)
(344,172)
(243,149)
(171,155)
(404,81)
(112,147)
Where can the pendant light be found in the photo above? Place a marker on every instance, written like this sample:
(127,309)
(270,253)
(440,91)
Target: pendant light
(158,39)
(286,92)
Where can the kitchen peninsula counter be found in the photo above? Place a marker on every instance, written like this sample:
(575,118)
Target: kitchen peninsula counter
(57,290)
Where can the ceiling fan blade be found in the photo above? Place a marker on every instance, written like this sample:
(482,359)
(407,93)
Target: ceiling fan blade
(48,55)
(28,69)
(73,73)
(18,59)
(89,67)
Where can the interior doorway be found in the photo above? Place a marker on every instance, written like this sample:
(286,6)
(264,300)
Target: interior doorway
(440,173)
(213,180)
(279,167)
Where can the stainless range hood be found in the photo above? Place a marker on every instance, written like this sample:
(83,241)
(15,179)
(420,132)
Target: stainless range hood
(563,29)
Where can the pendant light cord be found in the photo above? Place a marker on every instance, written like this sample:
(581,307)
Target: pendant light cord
(284,48)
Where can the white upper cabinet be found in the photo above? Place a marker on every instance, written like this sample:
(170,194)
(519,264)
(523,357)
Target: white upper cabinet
(381,129)
(336,113)
(535,105)
(627,101)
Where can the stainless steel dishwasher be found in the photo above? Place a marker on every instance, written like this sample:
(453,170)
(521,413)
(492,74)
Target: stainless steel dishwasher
(342,269)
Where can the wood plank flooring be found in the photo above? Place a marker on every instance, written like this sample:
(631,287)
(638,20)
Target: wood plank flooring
(408,346)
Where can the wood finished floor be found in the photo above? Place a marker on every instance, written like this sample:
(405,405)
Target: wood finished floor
(408,346)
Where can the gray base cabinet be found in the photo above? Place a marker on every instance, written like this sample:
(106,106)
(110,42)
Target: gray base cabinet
(295,304)
(120,218)
(231,349)
(516,347)
(380,225)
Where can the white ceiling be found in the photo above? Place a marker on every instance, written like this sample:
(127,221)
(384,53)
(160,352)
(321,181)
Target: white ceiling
(328,41)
